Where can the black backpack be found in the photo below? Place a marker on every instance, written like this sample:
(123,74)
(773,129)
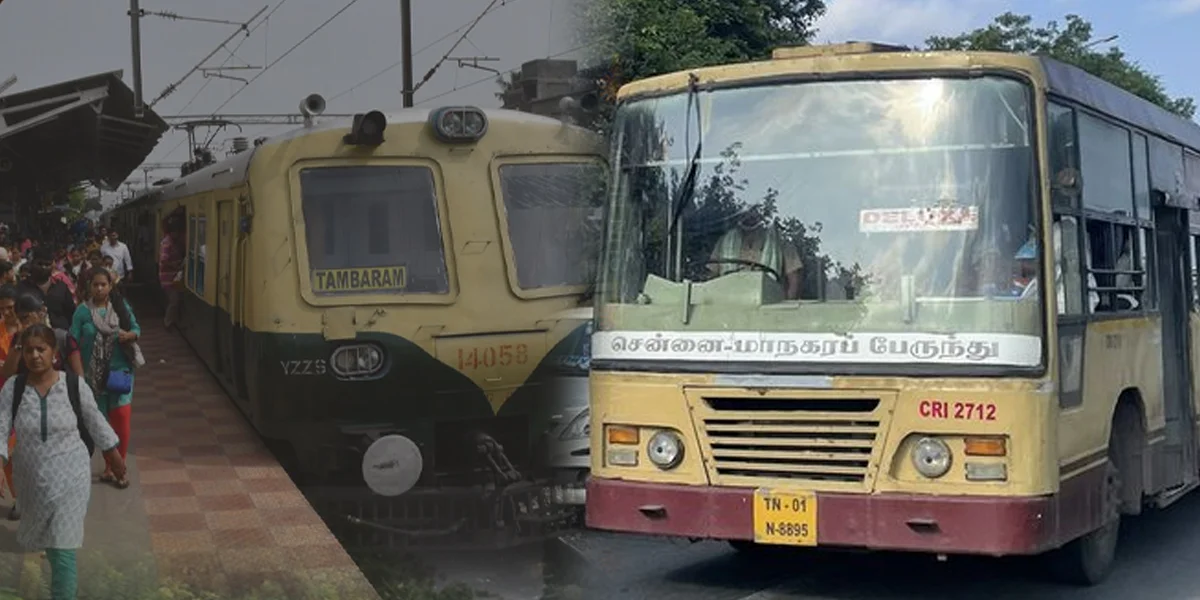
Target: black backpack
(72,393)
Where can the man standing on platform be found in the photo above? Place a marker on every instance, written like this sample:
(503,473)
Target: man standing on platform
(122,261)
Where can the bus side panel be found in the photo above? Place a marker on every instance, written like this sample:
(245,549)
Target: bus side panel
(1121,356)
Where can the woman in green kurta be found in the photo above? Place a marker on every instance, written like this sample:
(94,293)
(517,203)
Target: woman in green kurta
(106,330)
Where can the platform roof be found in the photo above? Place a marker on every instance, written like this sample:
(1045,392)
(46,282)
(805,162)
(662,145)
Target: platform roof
(75,131)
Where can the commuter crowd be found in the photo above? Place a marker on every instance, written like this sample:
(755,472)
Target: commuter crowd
(68,353)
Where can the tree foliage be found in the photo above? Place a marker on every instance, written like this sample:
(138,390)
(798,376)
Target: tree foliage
(635,39)
(1072,43)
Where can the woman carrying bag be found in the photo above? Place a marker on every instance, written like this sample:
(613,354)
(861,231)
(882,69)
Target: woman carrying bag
(56,418)
(107,332)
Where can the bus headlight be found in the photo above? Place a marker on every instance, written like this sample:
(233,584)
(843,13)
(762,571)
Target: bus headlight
(931,457)
(457,124)
(357,360)
(665,450)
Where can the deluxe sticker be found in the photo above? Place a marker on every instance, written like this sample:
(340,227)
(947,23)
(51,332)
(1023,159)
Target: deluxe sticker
(899,220)
(369,279)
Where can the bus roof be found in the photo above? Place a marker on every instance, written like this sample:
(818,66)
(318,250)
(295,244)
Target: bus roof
(1074,83)
(1057,77)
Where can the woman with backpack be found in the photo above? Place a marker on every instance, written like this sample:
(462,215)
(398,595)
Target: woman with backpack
(56,418)
(30,311)
(108,332)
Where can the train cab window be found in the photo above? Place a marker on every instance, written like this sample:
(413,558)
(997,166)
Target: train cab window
(373,230)
(554,217)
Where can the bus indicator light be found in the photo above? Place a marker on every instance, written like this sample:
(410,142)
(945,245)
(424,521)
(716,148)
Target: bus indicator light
(986,472)
(622,457)
(985,446)
(622,435)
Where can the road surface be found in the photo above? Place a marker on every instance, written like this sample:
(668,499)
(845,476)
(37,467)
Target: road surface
(1159,558)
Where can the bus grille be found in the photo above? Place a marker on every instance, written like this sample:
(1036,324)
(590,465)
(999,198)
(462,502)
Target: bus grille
(818,442)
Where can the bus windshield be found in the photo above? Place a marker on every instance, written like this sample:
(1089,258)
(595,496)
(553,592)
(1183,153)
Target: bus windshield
(901,210)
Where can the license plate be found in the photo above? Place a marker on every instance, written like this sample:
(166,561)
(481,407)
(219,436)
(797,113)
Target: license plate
(785,518)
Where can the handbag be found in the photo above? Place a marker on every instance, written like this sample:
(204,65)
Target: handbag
(133,352)
(119,382)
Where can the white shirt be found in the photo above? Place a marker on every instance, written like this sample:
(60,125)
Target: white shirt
(119,252)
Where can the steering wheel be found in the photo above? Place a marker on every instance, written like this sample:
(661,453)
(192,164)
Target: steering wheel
(746,263)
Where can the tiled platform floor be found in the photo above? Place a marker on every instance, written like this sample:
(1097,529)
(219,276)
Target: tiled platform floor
(209,505)
(218,504)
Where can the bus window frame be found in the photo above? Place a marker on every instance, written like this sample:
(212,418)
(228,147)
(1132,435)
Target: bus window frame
(300,234)
(1086,215)
(510,257)
(1037,95)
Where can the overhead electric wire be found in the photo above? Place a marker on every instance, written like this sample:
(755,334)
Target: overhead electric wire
(389,68)
(232,54)
(493,77)
(287,52)
(433,70)
(172,87)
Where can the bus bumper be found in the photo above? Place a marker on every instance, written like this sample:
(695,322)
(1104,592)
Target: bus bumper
(991,525)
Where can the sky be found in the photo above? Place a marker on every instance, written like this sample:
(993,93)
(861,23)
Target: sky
(1158,34)
(47,41)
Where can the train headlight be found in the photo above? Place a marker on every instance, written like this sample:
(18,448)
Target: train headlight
(931,457)
(665,450)
(580,427)
(367,129)
(357,360)
(458,124)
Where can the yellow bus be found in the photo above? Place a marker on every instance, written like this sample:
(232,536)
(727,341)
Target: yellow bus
(819,319)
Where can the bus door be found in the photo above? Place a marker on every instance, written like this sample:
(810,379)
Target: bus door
(1173,270)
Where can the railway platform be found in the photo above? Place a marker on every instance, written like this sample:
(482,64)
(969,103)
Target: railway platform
(208,505)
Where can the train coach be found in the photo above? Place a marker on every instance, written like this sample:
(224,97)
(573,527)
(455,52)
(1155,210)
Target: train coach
(385,296)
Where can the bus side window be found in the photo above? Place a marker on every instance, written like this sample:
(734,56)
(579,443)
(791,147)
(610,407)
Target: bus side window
(1067,272)
(1114,263)
(1193,247)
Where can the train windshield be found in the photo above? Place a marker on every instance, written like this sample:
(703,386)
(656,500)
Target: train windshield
(373,230)
(554,214)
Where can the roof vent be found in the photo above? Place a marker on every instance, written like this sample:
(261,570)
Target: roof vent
(835,50)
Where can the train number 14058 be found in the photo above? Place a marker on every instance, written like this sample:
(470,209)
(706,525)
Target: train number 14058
(470,359)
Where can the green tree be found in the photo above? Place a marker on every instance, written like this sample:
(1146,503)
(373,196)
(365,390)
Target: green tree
(634,39)
(1071,43)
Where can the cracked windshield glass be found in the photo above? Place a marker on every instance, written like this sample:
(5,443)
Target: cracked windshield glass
(888,220)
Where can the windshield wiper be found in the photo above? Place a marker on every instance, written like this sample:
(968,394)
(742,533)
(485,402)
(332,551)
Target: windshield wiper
(687,187)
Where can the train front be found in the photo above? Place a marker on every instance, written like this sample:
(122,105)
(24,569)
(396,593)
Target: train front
(441,259)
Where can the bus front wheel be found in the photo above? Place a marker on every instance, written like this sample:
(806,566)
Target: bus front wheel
(1089,559)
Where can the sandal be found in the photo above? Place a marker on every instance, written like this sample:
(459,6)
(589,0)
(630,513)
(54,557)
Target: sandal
(108,478)
(121,483)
